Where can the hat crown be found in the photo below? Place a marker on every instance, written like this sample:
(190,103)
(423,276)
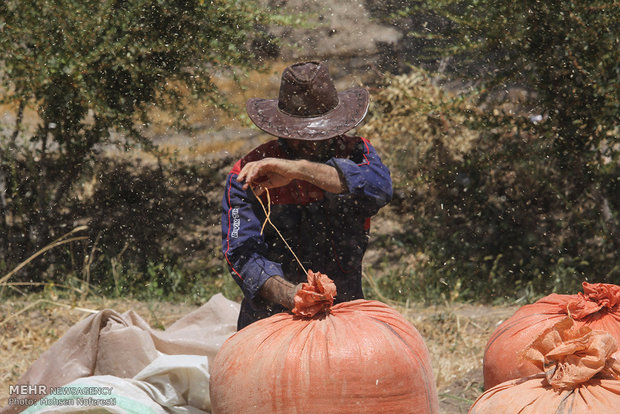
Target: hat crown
(307,90)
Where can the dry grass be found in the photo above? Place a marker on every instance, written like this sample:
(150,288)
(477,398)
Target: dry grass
(455,335)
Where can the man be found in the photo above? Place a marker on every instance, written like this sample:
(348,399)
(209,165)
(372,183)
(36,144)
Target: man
(320,187)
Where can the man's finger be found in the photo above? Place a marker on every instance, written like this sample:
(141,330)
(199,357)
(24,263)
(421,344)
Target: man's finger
(241,175)
(253,174)
(245,173)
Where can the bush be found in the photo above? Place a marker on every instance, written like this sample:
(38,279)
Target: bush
(487,200)
(89,73)
(527,203)
(566,53)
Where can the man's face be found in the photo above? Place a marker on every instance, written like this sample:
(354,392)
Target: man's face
(310,150)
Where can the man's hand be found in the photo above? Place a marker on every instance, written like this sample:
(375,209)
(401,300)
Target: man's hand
(268,173)
(277,172)
(278,290)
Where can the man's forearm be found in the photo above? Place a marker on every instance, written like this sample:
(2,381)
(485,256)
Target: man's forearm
(323,176)
(277,172)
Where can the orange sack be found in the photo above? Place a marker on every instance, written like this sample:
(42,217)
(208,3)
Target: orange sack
(578,375)
(597,307)
(355,357)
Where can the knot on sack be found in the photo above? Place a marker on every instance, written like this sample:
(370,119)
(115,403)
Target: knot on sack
(315,297)
(570,356)
(595,297)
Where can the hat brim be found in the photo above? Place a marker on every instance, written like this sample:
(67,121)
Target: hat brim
(350,111)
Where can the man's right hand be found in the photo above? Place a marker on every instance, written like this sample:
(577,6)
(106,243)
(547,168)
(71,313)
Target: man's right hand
(278,290)
(278,172)
(267,173)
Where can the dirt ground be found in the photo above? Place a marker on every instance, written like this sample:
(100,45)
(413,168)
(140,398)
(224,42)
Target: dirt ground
(455,335)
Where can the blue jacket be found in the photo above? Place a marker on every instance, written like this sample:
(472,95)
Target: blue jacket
(328,232)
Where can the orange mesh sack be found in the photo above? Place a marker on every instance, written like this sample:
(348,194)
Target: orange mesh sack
(598,307)
(578,374)
(355,357)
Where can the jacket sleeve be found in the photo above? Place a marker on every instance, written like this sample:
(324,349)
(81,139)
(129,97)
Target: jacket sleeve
(366,178)
(242,243)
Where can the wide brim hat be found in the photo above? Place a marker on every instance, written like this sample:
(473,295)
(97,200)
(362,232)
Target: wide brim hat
(308,106)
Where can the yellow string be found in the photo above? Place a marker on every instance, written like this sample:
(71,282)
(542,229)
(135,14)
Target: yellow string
(267,212)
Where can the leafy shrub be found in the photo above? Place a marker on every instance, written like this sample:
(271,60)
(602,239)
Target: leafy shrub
(80,75)
(529,202)
(486,198)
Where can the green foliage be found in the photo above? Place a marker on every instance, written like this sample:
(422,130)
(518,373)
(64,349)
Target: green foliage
(567,52)
(515,198)
(487,209)
(92,71)
(154,233)
(168,279)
